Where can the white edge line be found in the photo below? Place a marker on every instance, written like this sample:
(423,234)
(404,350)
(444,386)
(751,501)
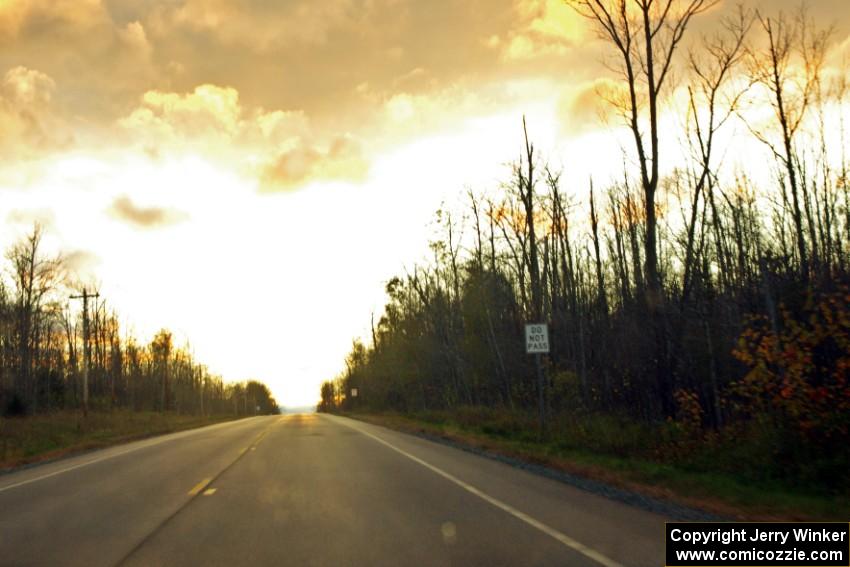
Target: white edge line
(550,531)
(172,437)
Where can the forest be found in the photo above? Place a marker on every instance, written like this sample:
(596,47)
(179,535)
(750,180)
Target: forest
(50,338)
(697,313)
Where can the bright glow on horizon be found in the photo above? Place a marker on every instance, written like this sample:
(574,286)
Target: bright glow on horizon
(261,219)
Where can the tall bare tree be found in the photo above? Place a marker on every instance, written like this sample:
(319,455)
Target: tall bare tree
(710,105)
(35,277)
(789,67)
(645,34)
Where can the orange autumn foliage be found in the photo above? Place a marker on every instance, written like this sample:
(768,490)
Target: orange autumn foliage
(800,374)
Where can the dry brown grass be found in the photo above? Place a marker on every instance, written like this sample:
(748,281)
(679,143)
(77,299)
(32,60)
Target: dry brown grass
(38,438)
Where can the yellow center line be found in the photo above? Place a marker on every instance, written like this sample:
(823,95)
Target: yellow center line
(200,486)
(259,438)
(209,491)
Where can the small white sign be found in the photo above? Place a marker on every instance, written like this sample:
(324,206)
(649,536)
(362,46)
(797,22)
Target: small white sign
(536,338)
(354,392)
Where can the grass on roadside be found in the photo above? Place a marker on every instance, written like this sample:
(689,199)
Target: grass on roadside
(622,456)
(36,438)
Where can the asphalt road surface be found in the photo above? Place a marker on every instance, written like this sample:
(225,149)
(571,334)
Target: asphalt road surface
(308,490)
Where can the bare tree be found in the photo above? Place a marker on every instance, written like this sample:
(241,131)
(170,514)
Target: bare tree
(35,277)
(526,182)
(789,68)
(646,34)
(161,348)
(709,109)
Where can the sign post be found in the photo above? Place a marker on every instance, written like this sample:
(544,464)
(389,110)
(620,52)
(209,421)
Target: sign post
(537,342)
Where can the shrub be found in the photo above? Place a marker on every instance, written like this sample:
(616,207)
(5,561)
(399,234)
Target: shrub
(15,407)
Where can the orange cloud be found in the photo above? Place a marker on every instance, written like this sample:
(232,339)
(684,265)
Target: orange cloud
(342,160)
(124,209)
(211,117)
(211,120)
(30,125)
(134,36)
(546,27)
(591,105)
(207,111)
(261,27)
(18,16)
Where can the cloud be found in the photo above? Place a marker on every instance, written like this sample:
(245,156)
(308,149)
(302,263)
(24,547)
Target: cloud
(308,55)
(545,27)
(30,125)
(82,263)
(28,87)
(417,113)
(207,112)
(342,160)
(262,26)
(210,117)
(211,120)
(99,63)
(133,35)
(838,56)
(278,126)
(147,66)
(45,218)
(258,82)
(591,105)
(124,209)
(298,54)
(21,17)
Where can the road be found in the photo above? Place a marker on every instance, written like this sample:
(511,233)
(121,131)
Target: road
(308,490)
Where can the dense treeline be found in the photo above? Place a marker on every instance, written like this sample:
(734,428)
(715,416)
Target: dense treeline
(697,299)
(44,349)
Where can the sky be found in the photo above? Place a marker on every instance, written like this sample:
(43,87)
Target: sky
(250,174)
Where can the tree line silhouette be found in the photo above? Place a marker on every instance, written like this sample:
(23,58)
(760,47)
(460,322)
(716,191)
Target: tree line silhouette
(43,352)
(697,300)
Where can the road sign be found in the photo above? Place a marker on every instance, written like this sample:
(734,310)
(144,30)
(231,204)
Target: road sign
(537,343)
(536,338)
(354,392)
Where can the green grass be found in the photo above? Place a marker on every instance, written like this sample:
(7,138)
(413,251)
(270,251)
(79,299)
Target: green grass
(723,476)
(46,436)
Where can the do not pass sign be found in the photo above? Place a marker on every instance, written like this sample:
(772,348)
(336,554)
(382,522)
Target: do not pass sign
(536,338)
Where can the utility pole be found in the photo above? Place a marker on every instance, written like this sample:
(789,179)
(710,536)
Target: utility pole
(201,379)
(86,351)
